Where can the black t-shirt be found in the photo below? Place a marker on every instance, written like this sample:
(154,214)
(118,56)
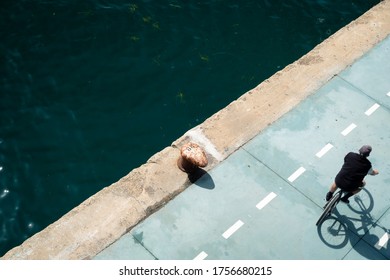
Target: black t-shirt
(353,171)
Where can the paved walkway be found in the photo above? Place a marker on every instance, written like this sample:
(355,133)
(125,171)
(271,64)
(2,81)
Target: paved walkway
(264,200)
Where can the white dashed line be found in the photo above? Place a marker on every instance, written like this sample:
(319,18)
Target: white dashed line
(296,174)
(202,255)
(351,127)
(265,200)
(372,109)
(232,229)
(324,150)
(382,242)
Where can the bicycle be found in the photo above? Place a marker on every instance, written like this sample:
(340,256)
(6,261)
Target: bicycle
(330,206)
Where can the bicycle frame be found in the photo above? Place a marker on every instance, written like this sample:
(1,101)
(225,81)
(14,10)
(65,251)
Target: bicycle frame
(330,206)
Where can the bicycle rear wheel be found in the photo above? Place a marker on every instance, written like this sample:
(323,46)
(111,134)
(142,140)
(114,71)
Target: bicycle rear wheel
(329,207)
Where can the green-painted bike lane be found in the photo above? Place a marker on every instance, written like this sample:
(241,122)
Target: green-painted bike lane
(263,201)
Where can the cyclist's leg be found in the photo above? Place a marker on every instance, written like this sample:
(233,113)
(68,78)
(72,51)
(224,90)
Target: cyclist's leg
(353,192)
(332,189)
(360,187)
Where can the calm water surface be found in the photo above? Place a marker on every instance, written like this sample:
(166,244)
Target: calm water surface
(91,89)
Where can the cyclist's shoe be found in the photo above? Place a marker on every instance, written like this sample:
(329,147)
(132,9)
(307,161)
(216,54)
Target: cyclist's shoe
(329,196)
(345,197)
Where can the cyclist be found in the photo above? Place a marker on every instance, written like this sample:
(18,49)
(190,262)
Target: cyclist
(351,176)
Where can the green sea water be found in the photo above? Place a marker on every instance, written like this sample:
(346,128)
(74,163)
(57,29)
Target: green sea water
(89,90)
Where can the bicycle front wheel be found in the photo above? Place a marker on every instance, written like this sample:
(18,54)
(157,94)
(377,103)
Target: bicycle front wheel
(329,208)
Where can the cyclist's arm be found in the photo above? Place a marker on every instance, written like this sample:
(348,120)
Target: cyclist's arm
(373,172)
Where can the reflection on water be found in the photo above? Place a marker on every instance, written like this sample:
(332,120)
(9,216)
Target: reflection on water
(90,90)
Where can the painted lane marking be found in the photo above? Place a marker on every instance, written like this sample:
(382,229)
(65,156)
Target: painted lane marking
(372,109)
(388,94)
(296,174)
(351,127)
(265,200)
(202,255)
(382,242)
(324,150)
(232,229)
(197,135)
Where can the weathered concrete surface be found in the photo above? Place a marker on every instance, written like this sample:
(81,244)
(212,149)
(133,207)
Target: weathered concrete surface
(103,218)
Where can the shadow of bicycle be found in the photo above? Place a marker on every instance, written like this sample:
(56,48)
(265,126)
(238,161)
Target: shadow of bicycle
(333,233)
(357,229)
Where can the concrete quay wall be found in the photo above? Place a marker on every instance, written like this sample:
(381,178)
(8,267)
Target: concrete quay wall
(103,218)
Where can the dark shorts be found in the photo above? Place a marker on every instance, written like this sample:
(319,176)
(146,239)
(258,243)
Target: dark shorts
(351,188)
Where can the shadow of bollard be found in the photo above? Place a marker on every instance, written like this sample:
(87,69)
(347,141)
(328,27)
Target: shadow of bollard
(202,179)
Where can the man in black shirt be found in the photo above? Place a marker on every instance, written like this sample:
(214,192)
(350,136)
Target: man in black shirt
(351,176)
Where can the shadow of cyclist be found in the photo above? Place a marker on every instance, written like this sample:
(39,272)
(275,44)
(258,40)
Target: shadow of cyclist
(357,230)
(366,230)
